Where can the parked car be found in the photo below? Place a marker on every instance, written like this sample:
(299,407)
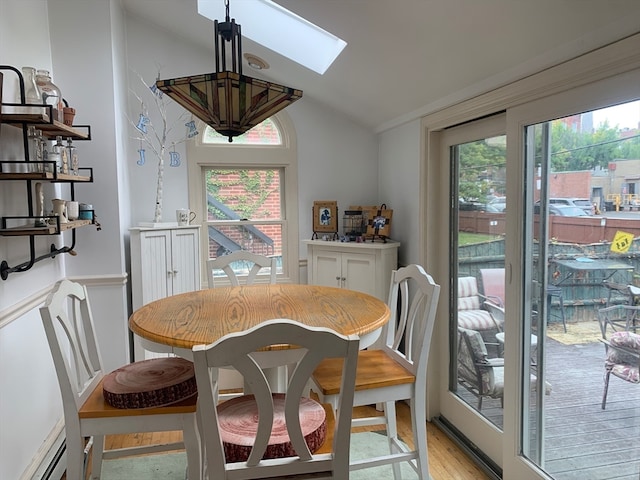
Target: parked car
(498,204)
(583,203)
(563,210)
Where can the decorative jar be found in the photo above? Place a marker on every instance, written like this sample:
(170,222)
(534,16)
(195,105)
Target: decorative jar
(51,94)
(31,91)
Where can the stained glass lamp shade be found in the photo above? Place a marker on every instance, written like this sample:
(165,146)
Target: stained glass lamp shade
(230,102)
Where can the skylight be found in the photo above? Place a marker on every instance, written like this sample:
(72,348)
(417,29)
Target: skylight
(280,30)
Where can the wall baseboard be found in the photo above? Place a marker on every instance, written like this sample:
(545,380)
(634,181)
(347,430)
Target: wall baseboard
(49,463)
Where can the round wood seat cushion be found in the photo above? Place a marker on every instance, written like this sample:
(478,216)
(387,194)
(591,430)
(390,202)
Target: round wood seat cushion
(150,383)
(238,420)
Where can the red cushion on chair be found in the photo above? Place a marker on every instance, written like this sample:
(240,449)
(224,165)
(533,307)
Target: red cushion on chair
(238,419)
(150,383)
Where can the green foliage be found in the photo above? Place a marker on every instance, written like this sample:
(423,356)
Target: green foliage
(255,188)
(481,171)
(572,150)
(467,238)
(482,165)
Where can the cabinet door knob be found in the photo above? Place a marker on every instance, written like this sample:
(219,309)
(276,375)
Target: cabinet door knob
(338,278)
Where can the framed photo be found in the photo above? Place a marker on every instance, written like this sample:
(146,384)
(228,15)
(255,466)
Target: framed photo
(378,220)
(325,217)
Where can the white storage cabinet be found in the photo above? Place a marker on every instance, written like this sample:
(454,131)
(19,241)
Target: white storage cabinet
(164,262)
(365,267)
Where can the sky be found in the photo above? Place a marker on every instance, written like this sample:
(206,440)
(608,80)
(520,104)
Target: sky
(626,115)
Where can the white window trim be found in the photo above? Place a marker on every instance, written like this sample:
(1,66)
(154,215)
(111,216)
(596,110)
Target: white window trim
(201,156)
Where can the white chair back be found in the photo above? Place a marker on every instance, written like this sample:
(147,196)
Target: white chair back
(68,325)
(408,338)
(255,263)
(235,350)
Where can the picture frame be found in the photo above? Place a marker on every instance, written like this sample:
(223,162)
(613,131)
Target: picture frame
(378,221)
(325,217)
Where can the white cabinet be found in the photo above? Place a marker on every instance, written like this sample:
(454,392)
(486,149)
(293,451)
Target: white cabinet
(164,262)
(365,267)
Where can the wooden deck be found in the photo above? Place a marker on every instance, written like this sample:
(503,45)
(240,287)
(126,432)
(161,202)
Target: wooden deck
(582,441)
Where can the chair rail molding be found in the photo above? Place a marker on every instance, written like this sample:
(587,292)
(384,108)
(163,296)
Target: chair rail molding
(35,299)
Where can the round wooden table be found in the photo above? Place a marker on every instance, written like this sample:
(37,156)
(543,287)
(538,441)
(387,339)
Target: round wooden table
(204,316)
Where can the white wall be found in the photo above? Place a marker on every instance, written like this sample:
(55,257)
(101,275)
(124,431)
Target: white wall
(29,396)
(84,66)
(399,186)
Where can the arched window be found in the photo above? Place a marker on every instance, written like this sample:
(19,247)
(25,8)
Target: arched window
(246,193)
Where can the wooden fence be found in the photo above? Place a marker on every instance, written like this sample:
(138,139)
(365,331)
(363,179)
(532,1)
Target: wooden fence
(580,230)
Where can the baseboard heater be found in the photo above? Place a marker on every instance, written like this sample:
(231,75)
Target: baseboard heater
(54,462)
(57,465)
(487,465)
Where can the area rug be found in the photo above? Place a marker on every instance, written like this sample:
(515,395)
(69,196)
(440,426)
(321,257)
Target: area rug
(172,466)
(577,333)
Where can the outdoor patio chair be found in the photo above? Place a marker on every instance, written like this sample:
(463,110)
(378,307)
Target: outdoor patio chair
(619,318)
(622,347)
(479,374)
(253,262)
(471,314)
(630,293)
(493,285)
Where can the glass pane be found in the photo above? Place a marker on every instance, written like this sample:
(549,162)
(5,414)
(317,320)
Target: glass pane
(261,239)
(266,133)
(479,234)
(580,258)
(243,194)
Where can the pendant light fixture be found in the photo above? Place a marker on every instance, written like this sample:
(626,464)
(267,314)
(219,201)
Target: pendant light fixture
(230,102)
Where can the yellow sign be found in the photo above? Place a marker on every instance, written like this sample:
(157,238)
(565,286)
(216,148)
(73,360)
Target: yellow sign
(621,242)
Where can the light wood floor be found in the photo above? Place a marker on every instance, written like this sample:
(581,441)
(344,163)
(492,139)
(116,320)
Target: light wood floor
(446,460)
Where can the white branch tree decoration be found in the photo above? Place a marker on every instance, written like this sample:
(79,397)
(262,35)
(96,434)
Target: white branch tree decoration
(156,138)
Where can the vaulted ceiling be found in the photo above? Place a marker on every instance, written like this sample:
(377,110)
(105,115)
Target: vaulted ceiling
(405,58)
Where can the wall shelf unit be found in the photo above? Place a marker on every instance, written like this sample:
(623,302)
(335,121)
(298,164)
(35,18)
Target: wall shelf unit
(21,115)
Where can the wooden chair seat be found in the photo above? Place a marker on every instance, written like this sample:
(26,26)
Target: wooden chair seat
(375,370)
(97,407)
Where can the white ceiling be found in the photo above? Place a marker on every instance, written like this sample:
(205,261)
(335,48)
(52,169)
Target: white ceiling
(405,58)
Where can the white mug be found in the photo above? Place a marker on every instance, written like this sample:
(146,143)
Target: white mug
(185,216)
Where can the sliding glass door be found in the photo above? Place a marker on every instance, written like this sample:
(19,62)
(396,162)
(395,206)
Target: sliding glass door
(579,259)
(476,158)
(543,209)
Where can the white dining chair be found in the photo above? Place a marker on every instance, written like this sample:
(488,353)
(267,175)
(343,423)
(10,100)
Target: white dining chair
(149,396)
(395,371)
(254,265)
(272,435)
